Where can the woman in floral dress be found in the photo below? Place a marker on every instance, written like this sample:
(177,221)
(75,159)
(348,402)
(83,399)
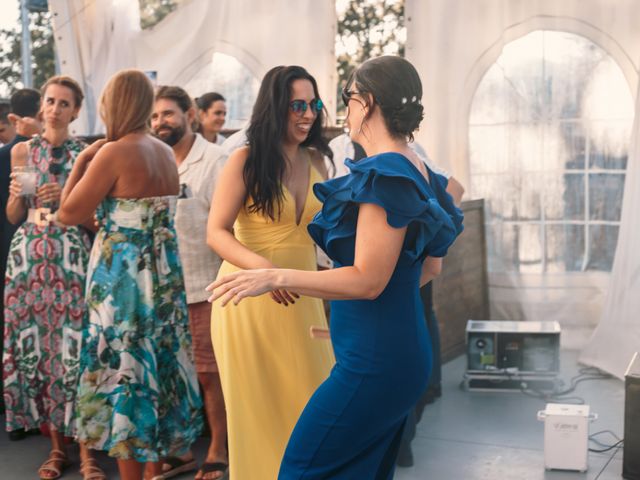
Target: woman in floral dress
(44,286)
(138,395)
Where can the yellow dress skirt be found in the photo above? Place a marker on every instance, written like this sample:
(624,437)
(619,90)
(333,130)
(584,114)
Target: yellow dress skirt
(269,364)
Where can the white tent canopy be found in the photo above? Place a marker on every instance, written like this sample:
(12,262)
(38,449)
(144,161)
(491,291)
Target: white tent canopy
(456,46)
(96,39)
(547,85)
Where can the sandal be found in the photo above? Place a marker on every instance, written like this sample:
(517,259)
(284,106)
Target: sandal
(211,467)
(177,466)
(56,463)
(90,470)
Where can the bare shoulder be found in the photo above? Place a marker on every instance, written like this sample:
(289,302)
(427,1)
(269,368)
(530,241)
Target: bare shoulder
(21,148)
(159,147)
(317,160)
(19,153)
(237,159)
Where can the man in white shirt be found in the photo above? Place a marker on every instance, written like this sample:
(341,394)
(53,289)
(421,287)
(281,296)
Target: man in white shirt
(199,163)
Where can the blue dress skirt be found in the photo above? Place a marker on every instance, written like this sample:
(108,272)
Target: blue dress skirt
(352,425)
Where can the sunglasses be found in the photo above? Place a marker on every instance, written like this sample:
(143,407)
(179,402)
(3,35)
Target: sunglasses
(55,168)
(300,106)
(347,96)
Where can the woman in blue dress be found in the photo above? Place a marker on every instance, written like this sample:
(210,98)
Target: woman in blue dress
(386,227)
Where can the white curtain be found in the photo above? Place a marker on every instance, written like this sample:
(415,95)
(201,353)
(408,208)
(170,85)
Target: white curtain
(617,336)
(455,44)
(97,38)
(93,41)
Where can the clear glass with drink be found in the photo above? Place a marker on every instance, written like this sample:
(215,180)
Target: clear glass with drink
(27,176)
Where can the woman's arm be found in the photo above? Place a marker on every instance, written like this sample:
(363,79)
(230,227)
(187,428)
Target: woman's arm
(228,199)
(431,268)
(456,190)
(16,204)
(377,251)
(92,178)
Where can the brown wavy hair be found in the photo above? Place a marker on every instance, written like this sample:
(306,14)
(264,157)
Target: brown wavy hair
(126,103)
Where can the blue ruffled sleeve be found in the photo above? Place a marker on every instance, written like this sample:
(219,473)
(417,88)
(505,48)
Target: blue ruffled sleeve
(391,181)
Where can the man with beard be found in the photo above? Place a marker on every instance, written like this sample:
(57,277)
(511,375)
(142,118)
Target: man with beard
(199,163)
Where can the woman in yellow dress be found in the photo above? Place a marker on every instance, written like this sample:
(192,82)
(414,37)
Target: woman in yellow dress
(269,364)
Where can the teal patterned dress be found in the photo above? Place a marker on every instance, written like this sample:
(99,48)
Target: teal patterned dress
(138,394)
(44,306)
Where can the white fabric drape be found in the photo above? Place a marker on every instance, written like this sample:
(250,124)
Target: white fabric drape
(617,336)
(97,38)
(453,43)
(93,41)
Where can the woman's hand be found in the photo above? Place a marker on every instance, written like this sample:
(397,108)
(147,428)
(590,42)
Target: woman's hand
(248,283)
(284,297)
(88,153)
(15,187)
(49,193)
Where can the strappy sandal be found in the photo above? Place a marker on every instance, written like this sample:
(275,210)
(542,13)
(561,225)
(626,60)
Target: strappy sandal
(90,470)
(177,466)
(214,467)
(56,463)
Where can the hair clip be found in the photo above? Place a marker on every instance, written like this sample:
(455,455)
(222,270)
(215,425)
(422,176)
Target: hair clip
(413,99)
(404,100)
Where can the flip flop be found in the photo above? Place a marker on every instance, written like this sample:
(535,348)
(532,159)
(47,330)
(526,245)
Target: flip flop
(177,466)
(212,467)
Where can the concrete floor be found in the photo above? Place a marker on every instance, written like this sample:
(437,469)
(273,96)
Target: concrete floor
(462,436)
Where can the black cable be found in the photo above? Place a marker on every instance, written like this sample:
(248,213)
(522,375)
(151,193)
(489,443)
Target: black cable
(592,438)
(585,373)
(608,462)
(618,444)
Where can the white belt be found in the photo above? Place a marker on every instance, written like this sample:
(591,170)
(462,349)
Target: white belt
(43,217)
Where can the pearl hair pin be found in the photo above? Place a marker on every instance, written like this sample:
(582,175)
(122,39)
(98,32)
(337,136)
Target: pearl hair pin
(414,99)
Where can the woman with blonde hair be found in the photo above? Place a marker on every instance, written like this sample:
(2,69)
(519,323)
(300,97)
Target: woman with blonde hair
(44,304)
(138,393)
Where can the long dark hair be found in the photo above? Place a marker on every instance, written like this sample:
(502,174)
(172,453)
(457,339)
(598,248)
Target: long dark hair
(266,164)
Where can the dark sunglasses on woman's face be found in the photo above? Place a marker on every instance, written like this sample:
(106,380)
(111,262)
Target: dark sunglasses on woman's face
(300,106)
(347,95)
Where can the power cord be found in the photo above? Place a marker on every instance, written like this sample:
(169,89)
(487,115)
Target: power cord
(604,467)
(585,373)
(606,447)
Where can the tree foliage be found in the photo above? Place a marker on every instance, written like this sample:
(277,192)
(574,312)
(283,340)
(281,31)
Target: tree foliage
(153,11)
(42,54)
(367,29)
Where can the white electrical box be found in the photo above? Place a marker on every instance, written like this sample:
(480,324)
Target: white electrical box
(566,436)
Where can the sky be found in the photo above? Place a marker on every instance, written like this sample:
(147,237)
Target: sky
(9,12)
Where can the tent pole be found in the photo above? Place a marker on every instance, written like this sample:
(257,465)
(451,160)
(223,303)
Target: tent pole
(27,77)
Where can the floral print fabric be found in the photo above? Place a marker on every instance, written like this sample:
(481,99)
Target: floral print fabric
(44,306)
(138,396)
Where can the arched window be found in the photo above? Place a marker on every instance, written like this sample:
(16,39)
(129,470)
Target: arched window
(549,132)
(234,81)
